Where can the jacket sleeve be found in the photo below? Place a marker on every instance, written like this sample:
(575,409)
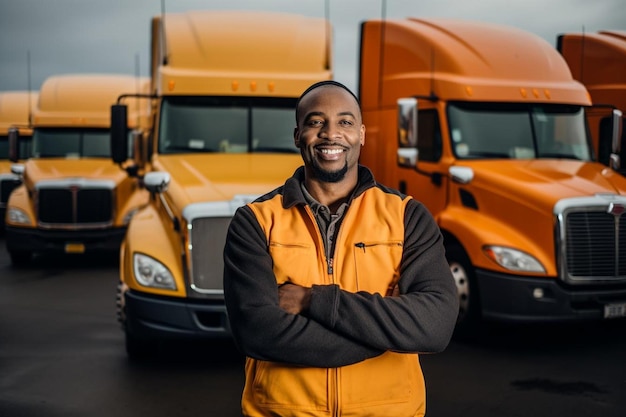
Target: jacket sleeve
(260,328)
(421,319)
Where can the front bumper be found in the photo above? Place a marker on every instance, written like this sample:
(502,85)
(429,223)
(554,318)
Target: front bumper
(510,298)
(155,317)
(41,240)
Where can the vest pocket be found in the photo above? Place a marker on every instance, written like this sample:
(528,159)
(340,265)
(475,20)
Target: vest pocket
(295,263)
(392,382)
(377,265)
(292,387)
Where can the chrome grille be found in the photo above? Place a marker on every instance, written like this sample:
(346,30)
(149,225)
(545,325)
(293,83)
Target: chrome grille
(208,236)
(207,224)
(78,203)
(592,239)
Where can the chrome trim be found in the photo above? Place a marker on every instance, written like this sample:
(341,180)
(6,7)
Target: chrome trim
(210,209)
(462,175)
(607,203)
(78,183)
(75,181)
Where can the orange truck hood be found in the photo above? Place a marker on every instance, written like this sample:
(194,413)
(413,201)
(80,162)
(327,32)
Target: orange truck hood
(220,177)
(545,181)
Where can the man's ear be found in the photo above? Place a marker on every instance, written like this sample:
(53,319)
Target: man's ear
(296,137)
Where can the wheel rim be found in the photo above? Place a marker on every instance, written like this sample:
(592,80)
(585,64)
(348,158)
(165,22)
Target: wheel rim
(462,286)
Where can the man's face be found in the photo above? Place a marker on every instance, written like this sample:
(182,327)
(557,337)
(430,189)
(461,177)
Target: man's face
(330,133)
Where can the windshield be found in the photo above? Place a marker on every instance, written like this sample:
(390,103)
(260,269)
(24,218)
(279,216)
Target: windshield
(227,125)
(25,145)
(523,131)
(71,143)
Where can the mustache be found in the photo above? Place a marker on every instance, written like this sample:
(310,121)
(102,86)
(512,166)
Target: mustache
(326,144)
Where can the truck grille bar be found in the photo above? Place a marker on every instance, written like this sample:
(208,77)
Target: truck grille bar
(75,204)
(592,238)
(207,225)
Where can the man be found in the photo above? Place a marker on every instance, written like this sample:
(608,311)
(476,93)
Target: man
(334,283)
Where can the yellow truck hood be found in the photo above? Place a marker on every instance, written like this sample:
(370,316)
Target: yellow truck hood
(220,177)
(61,168)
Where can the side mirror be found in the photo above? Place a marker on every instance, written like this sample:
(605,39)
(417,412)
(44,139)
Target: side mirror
(616,139)
(407,132)
(14,145)
(616,131)
(119,133)
(157,181)
(18,169)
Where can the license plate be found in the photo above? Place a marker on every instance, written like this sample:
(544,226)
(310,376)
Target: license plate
(614,310)
(74,248)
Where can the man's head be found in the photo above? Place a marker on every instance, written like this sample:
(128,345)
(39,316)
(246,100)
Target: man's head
(329,131)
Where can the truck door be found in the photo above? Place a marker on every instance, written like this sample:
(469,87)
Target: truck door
(422,177)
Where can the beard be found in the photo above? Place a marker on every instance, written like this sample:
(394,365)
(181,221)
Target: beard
(329,176)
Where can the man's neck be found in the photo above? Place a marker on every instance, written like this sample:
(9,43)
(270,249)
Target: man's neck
(331,194)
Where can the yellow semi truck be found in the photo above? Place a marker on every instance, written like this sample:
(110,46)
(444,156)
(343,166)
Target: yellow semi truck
(485,125)
(16,107)
(224,87)
(598,60)
(73,199)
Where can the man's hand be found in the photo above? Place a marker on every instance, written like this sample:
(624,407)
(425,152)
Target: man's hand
(293,298)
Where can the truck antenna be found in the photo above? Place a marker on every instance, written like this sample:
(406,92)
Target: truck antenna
(30,104)
(137,87)
(383,17)
(162,34)
(328,31)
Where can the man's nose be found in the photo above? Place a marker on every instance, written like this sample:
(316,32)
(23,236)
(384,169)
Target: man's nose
(329,131)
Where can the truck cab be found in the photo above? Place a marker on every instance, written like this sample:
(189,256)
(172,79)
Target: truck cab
(485,125)
(224,91)
(16,107)
(72,198)
(598,61)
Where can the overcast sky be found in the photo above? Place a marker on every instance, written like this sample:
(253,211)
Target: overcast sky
(110,36)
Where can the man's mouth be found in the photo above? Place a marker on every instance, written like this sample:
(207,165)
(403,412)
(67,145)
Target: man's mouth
(333,151)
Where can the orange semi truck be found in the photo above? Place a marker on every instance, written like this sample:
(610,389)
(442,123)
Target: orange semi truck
(485,125)
(598,60)
(15,110)
(224,87)
(73,199)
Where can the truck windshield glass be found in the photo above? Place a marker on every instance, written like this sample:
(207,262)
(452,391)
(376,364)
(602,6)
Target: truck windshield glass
(25,146)
(500,130)
(71,143)
(227,125)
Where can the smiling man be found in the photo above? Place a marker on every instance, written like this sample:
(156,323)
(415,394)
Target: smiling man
(334,283)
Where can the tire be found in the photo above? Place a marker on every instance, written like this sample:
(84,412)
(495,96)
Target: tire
(137,349)
(469,317)
(20,257)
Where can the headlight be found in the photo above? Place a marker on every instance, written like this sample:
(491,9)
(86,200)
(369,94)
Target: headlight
(17,216)
(151,273)
(513,259)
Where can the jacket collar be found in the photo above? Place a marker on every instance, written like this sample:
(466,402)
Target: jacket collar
(292,194)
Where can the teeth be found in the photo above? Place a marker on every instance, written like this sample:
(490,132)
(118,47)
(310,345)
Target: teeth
(332,151)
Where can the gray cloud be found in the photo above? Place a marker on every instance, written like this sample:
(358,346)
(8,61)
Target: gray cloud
(70,36)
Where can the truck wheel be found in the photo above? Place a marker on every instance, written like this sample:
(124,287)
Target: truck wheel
(469,301)
(20,257)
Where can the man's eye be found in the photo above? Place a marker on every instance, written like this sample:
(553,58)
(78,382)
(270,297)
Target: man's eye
(315,122)
(346,122)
